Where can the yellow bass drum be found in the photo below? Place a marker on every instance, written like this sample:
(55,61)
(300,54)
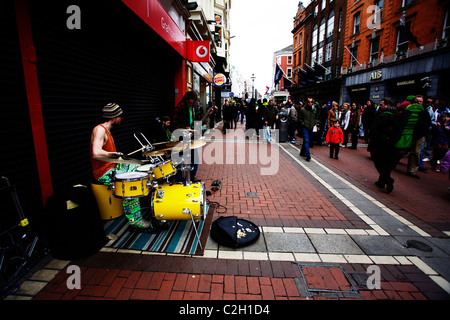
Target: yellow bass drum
(179,202)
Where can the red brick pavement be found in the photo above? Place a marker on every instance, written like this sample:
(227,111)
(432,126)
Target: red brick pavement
(398,283)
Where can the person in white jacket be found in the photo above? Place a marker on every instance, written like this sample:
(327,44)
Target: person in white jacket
(344,122)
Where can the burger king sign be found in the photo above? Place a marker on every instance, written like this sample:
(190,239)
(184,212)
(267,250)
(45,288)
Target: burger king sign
(220,79)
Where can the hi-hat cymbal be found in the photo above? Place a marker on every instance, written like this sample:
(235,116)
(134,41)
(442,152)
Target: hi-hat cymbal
(120,160)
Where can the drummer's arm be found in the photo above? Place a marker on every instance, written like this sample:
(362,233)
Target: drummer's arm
(98,140)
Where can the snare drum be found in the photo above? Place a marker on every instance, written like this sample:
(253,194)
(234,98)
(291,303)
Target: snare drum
(147,168)
(128,185)
(179,202)
(164,170)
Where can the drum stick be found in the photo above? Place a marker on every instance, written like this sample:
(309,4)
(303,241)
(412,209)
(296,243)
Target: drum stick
(141,149)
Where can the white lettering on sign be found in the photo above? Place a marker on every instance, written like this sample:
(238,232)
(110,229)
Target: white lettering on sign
(170,32)
(376,75)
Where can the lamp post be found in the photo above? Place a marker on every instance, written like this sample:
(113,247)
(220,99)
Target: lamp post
(253,85)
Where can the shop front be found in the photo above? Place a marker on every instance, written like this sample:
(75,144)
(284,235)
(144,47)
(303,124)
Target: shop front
(128,52)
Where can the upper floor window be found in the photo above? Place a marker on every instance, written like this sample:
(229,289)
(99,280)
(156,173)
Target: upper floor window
(406,3)
(330,24)
(322,31)
(289,59)
(324,4)
(314,37)
(446,31)
(402,38)
(356,22)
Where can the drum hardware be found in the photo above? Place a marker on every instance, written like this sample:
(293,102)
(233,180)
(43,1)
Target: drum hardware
(146,147)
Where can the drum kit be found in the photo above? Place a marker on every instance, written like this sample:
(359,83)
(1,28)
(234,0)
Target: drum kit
(152,180)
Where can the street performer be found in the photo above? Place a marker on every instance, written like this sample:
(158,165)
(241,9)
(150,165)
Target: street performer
(102,146)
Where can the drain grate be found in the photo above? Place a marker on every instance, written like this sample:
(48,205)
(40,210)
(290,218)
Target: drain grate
(326,279)
(251,195)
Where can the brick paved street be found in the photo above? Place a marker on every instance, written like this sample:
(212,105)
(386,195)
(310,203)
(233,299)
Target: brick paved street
(323,224)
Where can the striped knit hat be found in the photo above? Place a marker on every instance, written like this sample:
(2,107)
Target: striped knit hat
(111,111)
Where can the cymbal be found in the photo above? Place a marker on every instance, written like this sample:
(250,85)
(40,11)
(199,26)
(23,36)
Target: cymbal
(120,160)
(165,143)
(195,144)
(156,153)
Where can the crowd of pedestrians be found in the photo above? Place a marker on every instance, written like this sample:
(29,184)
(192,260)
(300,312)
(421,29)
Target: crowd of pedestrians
(417,128)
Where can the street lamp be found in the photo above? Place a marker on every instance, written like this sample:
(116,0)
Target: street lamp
(253,85)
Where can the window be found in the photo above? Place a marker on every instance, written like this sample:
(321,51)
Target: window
(300,40)
(340,20)
(313,57)
(406,3)
(402,38)
(289,73)
(354,56)
(320,55)
(356,21)
(289,59)
(316,11)
(330,24)
(379,4)
(328,51)
(322,32)
(324,4)
(314,38)
(374,48)
(446,31)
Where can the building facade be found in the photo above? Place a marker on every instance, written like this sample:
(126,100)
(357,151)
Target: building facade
(283,62)
(396,48)
(318,37)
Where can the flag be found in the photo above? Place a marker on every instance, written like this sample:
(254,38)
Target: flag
(278,74)
(287,83)
(267,91)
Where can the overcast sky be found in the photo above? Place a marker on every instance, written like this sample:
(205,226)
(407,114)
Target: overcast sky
(260,27)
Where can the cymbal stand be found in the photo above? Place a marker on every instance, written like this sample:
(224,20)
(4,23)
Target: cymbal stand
(147,147)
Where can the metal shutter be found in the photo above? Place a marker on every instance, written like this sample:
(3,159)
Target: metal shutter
(115,57)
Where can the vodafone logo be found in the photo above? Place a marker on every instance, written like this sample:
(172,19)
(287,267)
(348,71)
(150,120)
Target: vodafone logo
(201,51)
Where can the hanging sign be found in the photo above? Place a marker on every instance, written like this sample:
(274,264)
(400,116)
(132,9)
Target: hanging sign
(220,79)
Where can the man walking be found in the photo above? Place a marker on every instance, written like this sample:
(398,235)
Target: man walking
(307,118)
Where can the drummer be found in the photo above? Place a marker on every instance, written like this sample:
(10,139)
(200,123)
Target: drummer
(102,145)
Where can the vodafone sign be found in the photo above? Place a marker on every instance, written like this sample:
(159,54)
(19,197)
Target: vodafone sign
(220,79)
(198,51)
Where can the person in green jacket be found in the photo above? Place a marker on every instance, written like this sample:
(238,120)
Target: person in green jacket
(307,119)
(416,123)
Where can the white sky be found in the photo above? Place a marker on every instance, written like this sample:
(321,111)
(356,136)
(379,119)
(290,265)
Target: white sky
(260,27)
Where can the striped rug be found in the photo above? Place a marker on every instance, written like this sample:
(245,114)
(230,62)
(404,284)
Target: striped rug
(178,237)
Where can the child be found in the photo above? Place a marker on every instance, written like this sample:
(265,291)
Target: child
(440,134)
(334,137)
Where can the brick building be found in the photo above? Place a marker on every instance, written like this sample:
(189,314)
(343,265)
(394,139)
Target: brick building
(282,58)
(395,48)
(318,44)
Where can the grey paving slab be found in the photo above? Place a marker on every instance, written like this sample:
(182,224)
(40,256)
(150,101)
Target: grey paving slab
(288,242)
(334,243)
(439,264)
(380,245)
(393,226)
